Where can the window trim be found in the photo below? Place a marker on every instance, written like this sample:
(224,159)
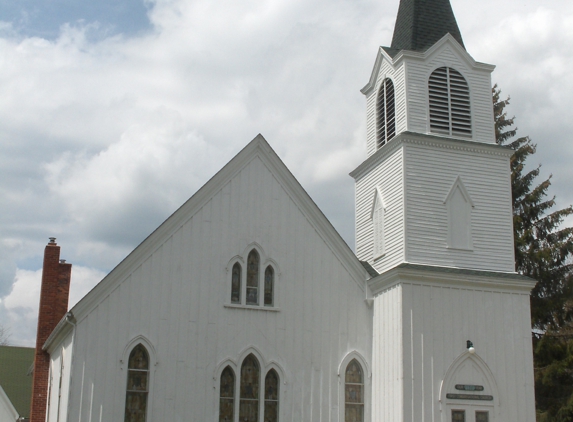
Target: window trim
(378,245)
(349,357)
(124,365)
(382,122)
(264,367)
(264,263)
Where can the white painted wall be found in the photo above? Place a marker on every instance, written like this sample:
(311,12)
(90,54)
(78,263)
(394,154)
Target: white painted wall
(437,321)
(386,174)
(59,384)
(175,297)
(431,169)
(7,411)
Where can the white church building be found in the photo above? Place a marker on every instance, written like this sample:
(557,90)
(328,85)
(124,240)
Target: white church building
(246,305)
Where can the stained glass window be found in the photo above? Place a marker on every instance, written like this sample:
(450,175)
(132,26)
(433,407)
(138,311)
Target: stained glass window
(249,403)
(269,285)
(253,278)
(137,385)
(482,416)
(354,392)
(236,284)
(272,396)
(227,395)
(458,416)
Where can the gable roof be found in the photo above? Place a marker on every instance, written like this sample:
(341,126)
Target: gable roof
(422,23)
(260,148)
(15,363)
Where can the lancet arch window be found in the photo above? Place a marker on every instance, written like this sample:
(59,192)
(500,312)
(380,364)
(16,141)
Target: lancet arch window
(385,113)
(354,392)
(253,281)
(449,100)
(251,398)
(137,390)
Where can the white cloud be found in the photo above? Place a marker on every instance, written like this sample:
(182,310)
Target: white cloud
(20,306)
(103,139)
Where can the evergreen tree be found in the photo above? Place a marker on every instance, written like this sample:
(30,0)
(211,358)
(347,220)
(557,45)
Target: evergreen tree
(543,251)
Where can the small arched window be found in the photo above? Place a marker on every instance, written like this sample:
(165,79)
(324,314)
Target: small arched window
(354,392)
(137,385)
(272,396)
(269,285)
(253,278)
(227,395)
(449,96)
(236,283)
(385,113)
(249,401)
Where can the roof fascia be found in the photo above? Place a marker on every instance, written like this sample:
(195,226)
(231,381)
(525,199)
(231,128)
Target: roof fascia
(257,147)
(433,276)
(373,76)
(446,39)
(60,332)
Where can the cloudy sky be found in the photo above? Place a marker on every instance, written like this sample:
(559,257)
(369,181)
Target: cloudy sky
(113,113)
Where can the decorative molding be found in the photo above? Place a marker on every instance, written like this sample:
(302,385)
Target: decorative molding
(251,307)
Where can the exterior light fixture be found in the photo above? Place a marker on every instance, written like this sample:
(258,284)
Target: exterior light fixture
(470,347)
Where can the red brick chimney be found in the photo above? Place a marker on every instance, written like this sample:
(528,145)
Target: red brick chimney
(54,294)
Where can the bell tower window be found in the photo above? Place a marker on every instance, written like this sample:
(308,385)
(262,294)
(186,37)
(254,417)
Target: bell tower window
(385,113)
(449,95)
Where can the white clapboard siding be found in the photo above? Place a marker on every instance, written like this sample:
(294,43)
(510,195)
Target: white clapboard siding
(437,321)
(430,172)
(175,296)
(59,381)
(387,176)
(387,373)
(479,81)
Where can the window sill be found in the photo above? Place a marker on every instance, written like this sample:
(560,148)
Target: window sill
(252,307)
(460,249)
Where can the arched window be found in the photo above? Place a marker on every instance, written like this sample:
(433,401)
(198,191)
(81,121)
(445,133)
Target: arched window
(236,283)
(137,385)
(227,395)
(272,396)
(249,402)
(385,113)
(253,278)
(354,392)
(449,95)
(269,285)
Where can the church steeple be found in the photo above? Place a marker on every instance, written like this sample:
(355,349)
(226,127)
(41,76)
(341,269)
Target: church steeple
(422,23)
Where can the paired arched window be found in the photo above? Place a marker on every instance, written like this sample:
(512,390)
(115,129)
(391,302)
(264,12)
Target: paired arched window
(249,394)
(449,96)
(260,280)
(385,113)
(354,392)
(137,385)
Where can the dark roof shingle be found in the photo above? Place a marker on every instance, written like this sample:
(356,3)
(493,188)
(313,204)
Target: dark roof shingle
(422,23)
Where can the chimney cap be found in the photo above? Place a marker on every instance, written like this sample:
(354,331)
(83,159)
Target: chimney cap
(52,240)
(62,261)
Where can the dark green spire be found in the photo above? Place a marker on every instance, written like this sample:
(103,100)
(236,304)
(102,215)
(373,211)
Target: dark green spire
(421,23)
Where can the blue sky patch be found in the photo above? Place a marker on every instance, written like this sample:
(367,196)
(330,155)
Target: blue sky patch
(43,18)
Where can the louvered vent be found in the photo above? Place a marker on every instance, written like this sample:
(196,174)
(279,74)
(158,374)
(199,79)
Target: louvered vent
(449,103)
(386,113)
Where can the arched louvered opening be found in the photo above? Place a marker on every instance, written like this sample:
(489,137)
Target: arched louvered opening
(385,113)
(449,94)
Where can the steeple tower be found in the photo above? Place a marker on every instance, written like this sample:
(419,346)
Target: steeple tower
(434,218)
(422,23)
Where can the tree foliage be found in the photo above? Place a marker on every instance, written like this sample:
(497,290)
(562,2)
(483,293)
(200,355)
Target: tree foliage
(4,336)
(543,251)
